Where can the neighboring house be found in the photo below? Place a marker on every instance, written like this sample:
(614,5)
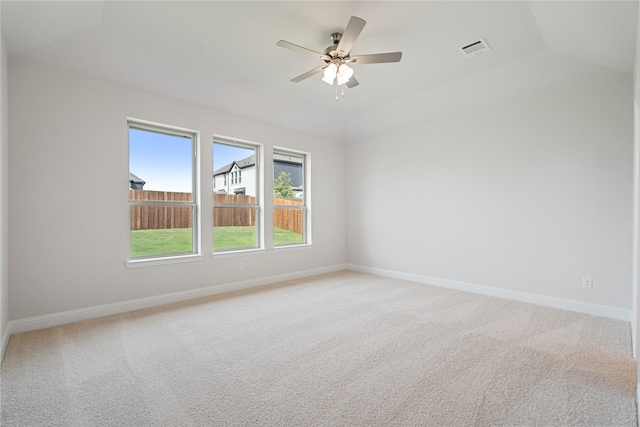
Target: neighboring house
(239,177)
(135,182)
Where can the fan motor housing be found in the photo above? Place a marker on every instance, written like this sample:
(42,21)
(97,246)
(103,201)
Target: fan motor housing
(332,50)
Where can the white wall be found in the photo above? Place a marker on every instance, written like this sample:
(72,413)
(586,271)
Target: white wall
(68,192)
(4,200)
(529,197)
(635,279)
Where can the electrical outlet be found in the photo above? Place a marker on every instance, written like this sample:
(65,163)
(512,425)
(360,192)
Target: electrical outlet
(587,282)
(241,266)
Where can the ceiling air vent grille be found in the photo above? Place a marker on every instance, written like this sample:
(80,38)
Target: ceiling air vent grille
(475,48)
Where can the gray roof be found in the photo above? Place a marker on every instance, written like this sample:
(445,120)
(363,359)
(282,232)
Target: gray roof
(135,178)
(244,163)
(251,160)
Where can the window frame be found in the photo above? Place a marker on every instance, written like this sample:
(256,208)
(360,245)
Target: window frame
(195,204)
(306,198)
(257,206)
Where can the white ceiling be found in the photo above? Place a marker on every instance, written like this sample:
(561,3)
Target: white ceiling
(224,55)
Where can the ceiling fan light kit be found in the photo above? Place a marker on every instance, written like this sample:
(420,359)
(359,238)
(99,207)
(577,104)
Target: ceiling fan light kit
(338,73)
(337,56)
(330,73)
(344,74)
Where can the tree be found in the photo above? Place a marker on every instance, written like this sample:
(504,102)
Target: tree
(282,186)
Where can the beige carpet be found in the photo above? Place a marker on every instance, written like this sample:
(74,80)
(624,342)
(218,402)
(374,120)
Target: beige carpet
(343,349)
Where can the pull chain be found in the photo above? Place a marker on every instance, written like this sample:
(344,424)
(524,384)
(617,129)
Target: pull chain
(342,90)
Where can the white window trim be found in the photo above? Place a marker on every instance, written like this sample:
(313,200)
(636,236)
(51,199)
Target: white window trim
(292,247)
(237,253)
(195,204)
(150,262)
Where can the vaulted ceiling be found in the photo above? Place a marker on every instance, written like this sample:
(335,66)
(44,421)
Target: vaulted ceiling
(223,55)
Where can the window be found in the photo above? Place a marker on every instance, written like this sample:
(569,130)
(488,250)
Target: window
(290,214)
(162,196)
(236,206)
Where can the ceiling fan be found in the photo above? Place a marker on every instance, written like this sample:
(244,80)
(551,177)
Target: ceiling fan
(337,56)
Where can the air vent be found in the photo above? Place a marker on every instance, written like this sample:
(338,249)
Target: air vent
(475,48)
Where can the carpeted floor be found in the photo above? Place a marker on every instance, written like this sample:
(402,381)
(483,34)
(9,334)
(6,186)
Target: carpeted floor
(343,349)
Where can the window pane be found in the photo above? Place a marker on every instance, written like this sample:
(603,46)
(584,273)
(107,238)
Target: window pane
(235,201)
(288,226)
(162,163)
(234,228)
(288,190)
(160,230)
(288,176)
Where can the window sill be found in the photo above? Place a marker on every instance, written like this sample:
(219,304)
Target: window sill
(150,262)
(241,252)
(286,248)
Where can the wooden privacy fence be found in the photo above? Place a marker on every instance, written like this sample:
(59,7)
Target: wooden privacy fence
(287,219)
(162,217)
(230,217)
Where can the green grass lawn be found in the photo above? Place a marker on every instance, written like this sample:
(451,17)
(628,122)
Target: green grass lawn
(285,237)
(234,237)
(179,240)
(164,241)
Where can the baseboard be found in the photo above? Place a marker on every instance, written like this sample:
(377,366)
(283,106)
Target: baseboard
(4,343)
(56,319)
(547,301)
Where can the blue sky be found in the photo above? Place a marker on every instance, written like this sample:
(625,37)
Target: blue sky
(164,161)
(224,154)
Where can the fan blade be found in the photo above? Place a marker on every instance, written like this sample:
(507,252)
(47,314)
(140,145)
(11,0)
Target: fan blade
(308,74)
(296,48)
(377,58)
(351,33)
(352,82)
